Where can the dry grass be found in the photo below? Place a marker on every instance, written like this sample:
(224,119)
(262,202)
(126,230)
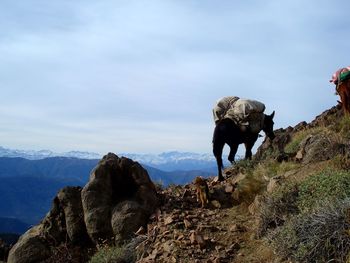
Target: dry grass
(321,236)
(278,208)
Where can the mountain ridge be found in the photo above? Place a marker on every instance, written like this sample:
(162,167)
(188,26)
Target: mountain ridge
(28,186)
(167,161)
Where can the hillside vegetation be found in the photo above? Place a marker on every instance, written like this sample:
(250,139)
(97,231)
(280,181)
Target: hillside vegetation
(291,203)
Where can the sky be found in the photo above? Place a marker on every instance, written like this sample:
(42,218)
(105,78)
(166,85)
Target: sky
(142,76)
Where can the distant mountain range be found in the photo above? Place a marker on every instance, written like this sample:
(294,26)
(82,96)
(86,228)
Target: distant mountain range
(30,179)
(37,155)
(173,161)
(166,161)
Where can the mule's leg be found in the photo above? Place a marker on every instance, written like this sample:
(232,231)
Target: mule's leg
(217,150)
(233,151)
(248,150)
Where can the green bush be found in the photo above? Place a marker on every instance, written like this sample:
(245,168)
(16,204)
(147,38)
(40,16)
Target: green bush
(327,185)
(112,254)
(293,146)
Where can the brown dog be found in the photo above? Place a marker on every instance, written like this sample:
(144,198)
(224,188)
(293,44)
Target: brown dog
(202,191)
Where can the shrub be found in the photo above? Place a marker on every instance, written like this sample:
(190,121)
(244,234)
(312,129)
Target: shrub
(293,145)
(113,254)
(343,127)
(64,253)
(272,168)
(277,208)
(326,186)
(340,162)
(321,236)
(245,166)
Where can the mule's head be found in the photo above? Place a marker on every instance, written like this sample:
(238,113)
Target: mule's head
(268,126)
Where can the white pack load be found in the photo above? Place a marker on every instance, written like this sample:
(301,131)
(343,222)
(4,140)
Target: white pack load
(222,106)
(248,114)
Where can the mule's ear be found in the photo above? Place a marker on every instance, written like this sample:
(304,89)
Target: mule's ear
(272,114)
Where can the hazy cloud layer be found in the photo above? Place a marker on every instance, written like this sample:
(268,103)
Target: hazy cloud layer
(142,76)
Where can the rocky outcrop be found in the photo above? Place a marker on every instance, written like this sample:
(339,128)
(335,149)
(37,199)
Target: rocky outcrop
(317,148)
(118,199)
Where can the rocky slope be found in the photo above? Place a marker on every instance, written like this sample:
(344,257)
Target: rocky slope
(235,226)
(267,210)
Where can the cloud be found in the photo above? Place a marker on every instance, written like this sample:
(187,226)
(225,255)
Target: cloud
(129,74)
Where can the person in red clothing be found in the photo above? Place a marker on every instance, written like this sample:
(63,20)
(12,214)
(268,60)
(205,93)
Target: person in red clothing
(341,79)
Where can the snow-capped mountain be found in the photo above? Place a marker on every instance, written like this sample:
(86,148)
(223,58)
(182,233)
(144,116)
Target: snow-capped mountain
(173,156)
(174,160)
(37,155)
(166,161)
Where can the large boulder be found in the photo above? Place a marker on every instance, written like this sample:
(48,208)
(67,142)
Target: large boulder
(113,182)
(319,147)
(35,245)
(30,248)
(118,199)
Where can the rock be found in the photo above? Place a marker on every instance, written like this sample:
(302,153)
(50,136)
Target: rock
(273,183)
(254,207)
(237,228)
(118,199)
(30,248)
(141,231)
(319,147)
(233,248)
(299,156)
(198,239)
(229,188)
(113,181)
(187,224)
(223,198)
(168,246)
(169,220)
(272,149)
(216,204)
(275,149)
(70,200)
(36,242)
(127,217)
